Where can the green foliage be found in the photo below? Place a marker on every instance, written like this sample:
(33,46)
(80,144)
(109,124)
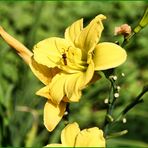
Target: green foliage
(21,111)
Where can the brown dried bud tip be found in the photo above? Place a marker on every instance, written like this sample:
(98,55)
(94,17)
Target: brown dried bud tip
(124,29)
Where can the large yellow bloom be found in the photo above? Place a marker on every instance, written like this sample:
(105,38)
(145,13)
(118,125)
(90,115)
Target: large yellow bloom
(71,136)
(67,65)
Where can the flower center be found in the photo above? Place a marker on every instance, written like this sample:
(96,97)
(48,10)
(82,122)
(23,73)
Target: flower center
(72,60)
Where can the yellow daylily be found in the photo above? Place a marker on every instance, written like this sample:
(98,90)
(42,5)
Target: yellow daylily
(72,136)
(67,65)
(72,62)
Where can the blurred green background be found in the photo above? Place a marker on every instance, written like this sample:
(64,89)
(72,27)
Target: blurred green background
(21,111)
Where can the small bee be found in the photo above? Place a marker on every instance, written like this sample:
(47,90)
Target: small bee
(64,58)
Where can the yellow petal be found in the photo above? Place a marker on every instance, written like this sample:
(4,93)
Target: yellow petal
(69,133)
(73,31)
(64,84)
(54,145)
(49,51)
(44,92)
(70,85)
(108,55)
(53,114)
(92,137)
(88,75)
(43,73)
(73,87)
(90,35)
(56,88)
(76,82)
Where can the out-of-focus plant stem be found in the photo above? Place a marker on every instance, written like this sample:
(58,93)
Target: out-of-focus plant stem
(131,105)
(30,137)
(21,50)
(111,104)
(33,29)
(117,134)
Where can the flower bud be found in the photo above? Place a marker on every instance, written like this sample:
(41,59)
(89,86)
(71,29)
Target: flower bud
(124,29)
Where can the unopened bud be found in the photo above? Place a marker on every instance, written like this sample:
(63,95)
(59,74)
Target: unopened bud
(122,74)
(116,95)
(118,88)
(106,101)
(124,120)
(113,77)
(124,29)
(66,113)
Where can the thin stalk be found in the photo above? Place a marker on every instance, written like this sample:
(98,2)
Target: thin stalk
(108,117)
(136,101)
(114,98)
(117,134)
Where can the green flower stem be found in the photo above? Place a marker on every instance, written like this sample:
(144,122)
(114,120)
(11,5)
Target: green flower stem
(136,101)
(111,105)
(143,23)
(109,120)
(117,134)
(114,98)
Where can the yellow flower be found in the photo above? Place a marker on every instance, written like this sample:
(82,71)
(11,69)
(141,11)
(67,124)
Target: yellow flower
(71,136)
(67,65)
